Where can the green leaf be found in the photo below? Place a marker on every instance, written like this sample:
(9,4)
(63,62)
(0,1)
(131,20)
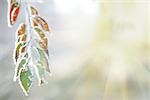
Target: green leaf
(25,79)
(43,59)
(21,65)
(42,66)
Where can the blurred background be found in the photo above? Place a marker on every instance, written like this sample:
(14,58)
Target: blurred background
(99,50)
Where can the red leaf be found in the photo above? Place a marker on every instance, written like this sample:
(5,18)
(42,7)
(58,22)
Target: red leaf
(14,8)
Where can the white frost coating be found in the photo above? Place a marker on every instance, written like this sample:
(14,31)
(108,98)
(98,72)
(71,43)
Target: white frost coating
(28,46)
